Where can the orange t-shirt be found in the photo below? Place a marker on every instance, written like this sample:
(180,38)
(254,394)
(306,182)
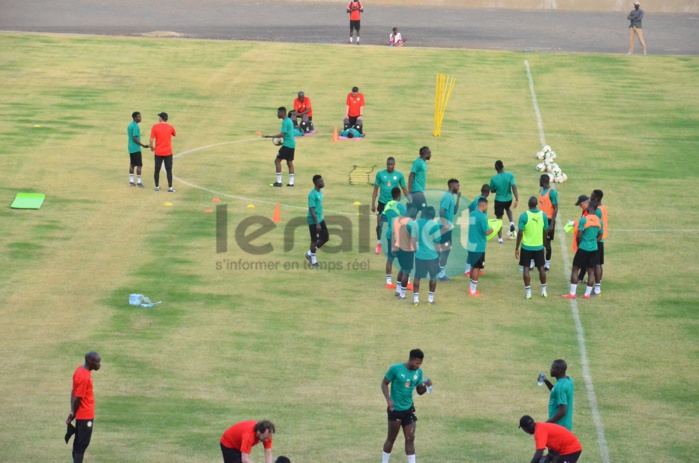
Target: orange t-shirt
(355,14)
(555,437)
(300,106)
(603,208)
(82,387)
(242,436)
(163,133)
(355,103)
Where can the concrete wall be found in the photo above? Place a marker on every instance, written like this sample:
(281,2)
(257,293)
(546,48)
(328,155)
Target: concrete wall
(660,6)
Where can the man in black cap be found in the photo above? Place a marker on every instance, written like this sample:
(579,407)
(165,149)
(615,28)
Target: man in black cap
(636,27)
(560,442)
(161,144)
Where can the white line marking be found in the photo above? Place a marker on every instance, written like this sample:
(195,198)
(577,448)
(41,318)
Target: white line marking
(596,417)
(678,230)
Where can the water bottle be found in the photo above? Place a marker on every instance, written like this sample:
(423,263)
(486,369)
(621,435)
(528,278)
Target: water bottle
(540,380)
(429,388)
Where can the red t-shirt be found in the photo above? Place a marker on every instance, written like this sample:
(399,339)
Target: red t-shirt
(354,8)
(555,437)
(163,133)
(300,106)
(354,104)
(242,436)
(82,387)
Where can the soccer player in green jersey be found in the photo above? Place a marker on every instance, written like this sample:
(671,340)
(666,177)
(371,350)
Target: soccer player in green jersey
(426,255)
(503,185)
(562,395)
(391,211)
(316,224)
(447,210)
(485,192)
(287,150)
(403,379)
(478,229)
(533,226)
(135,145)
(417,180)
(385,181)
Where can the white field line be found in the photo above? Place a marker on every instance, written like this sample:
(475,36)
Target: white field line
(596,417)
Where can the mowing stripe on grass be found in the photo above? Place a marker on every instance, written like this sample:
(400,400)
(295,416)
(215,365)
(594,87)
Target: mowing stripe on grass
(596,417)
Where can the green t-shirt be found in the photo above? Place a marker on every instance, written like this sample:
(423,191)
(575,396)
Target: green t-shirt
(403,383)
(419,168)
(288,131)
(447,203)
(386,181)
(474,204)
(589,235)
(538,230)
(428,233)
(134,130)
(501,184)
(563,393)
(477,228)
(355,133)
(315,199)
(391,211)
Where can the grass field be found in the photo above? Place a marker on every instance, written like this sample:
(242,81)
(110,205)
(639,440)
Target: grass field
(306,349)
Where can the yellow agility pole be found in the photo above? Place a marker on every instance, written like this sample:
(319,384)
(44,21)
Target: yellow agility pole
(443,89)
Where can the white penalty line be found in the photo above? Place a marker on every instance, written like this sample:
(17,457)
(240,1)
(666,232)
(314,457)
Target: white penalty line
(596,417)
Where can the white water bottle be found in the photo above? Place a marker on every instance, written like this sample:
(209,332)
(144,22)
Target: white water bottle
(541,379)
(429,388)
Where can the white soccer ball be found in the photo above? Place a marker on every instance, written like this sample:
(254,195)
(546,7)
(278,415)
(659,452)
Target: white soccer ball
(553,154)
(564,176)
(549,167)
(555,170)
(541,167)
(540,155)
(546,149)
(558,179)
(548,162)
(551,179)
(277,141)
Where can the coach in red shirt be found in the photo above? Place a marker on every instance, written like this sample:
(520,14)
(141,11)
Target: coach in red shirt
(354,108)
(554,437)
(82,406)
(303,110)
(161,144)
(238,440)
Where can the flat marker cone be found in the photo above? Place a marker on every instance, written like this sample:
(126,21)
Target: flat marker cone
(277,217)
(215,200)
(335,136)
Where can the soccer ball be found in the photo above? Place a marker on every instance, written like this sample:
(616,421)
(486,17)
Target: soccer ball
(546,149)
(555,170)
(277,141)
(541,167)
(540,155)
(552,154)
(551,178)
(549,167)
(558,178)
(564,176)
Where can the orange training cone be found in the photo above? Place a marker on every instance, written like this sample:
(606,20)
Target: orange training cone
(335,137)
(277,217)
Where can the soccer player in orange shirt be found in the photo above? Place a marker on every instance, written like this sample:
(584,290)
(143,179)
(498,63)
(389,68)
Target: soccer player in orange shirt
(355,10)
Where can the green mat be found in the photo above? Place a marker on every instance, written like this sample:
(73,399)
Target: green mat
(28,201)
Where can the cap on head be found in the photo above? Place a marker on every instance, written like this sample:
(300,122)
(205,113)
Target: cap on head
(582,199)
(526,421)
(163,116)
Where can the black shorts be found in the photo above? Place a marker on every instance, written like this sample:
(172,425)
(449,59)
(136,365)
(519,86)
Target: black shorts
(83,434)
(419,200)
(136,160)
(501,207)
(475,259)
(379,210)
(354,24)
(286,154)
(585,259)
(405,417)
(231,455)
(323,235)
(445,239)
(600,253)
(424,267)
(526,256)
(406,260)
(570,458)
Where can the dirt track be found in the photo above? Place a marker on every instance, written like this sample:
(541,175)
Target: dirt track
(535,30)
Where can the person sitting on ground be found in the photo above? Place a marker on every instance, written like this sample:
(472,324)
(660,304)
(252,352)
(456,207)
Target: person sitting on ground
(302,110)
(351,132)
(395,39)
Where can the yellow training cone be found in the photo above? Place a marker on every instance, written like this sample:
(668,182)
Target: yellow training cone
(356,203)
(168,204)
(251,206)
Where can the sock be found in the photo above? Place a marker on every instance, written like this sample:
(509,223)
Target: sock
(314,259)
(548,264)
(279,177)
(573,288)
(416,298)
(529,290)
(384,457)
(402,292)
(588,290)
(357,39)
(598,288)
(430,297)
(291,179)
(442,271)
(388,278)
(130,178)
(139,179)
(543,288)
(411,458)
(350,39)
(472,286)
